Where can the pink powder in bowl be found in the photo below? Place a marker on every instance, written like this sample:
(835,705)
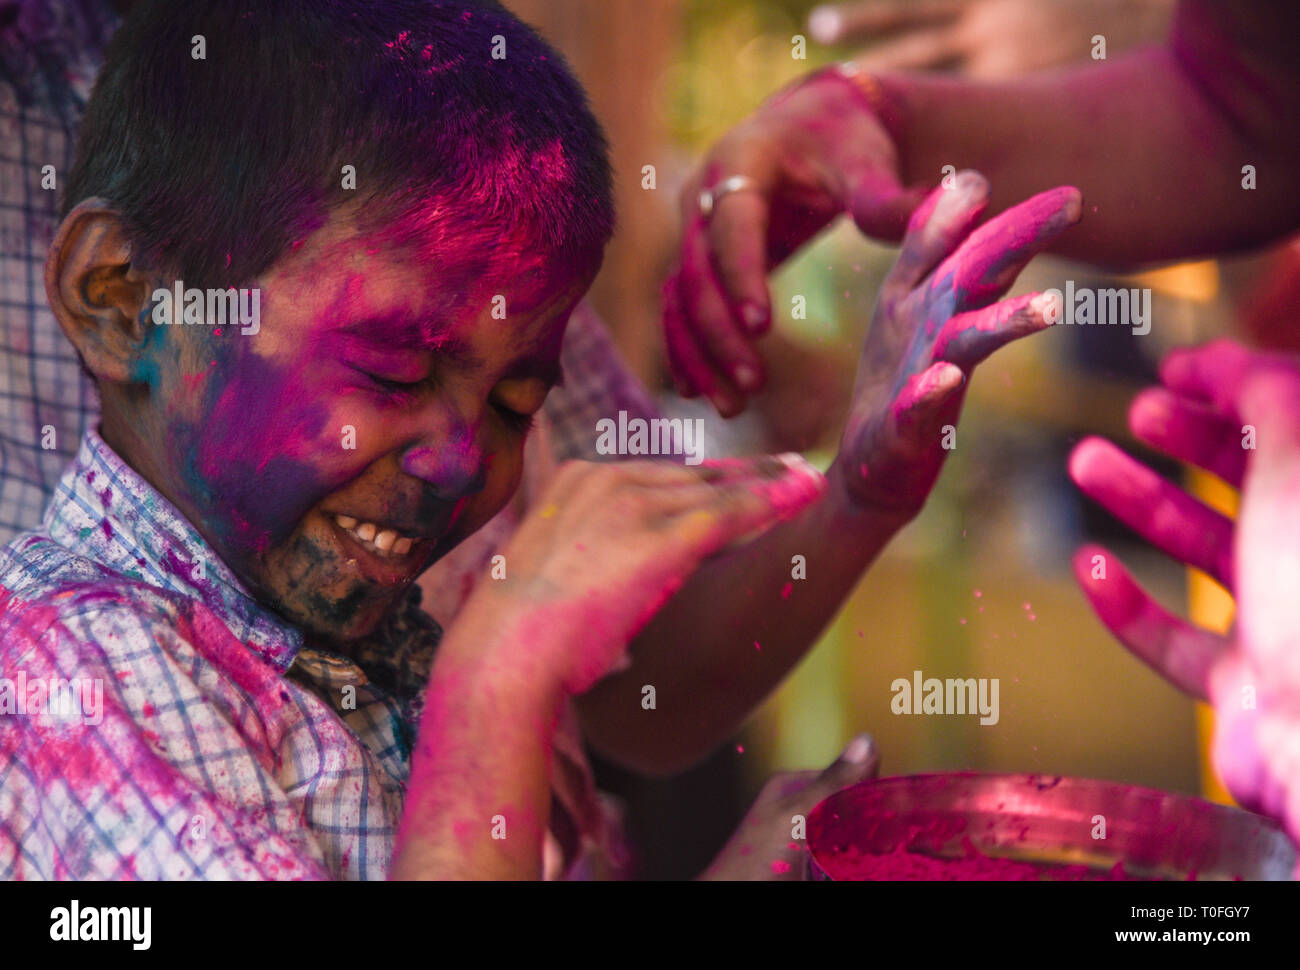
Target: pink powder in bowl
(904,865)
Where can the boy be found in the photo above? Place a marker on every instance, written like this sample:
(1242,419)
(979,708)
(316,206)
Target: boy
(404,201)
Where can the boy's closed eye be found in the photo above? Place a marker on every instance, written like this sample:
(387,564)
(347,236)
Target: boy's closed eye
(516,400)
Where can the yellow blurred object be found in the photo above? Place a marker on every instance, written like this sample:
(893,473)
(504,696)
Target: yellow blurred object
(1209,604)
(1211,607)
(1198,282)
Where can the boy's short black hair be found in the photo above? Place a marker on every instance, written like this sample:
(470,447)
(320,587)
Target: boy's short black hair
(218,165)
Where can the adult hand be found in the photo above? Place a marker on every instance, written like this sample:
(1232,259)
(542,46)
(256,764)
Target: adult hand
(985,38)
(812,154)
(1236,414)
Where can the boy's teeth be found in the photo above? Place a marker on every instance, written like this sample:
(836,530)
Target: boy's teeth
(385,542)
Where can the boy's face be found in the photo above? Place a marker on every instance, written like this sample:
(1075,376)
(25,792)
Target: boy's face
(374,421)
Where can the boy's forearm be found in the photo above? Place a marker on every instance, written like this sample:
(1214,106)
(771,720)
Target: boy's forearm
(478,799)
(731,634)
(1143,136)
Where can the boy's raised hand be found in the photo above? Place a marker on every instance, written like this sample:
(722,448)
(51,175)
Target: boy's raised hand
(936,319)
(608,544)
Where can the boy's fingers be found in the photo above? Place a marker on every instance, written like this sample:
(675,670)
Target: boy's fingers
(1189,431)
(992,256)
(936,228)
(739,509)
(970,337)
(921,408)
(1180,652)
(1160,512)
(673,478)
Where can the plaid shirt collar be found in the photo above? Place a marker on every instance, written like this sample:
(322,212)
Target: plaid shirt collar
(105,510)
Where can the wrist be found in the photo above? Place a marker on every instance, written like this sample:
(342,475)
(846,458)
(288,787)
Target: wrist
(857,508)
(864,94)
(842,119)
(496,640)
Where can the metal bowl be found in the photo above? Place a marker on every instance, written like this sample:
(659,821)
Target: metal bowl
(1049,820)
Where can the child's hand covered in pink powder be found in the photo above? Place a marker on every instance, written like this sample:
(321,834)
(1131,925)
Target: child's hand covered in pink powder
(935,319)
(604,549)
(608,544)
(1236,414)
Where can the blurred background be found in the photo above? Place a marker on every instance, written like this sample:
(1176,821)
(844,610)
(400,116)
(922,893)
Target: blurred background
(979,585)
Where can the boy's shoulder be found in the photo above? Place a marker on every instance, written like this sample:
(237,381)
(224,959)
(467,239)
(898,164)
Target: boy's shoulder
(45,587)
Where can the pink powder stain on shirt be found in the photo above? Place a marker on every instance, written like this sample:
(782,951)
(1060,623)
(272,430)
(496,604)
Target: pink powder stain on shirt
(205,629)
(84,758)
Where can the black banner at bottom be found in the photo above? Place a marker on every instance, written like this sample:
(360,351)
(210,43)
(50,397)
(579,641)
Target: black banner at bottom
(599,922)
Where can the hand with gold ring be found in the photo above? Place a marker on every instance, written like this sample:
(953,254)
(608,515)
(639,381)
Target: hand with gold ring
(784,174)
(710,197)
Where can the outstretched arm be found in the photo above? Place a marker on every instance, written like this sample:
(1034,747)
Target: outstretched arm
(744,620)
(1157,141)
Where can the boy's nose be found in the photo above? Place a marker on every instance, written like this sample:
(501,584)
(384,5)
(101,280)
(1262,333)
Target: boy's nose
(454,466)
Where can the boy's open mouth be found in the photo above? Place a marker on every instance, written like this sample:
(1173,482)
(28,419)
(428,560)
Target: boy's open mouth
(387,554)
(384,542)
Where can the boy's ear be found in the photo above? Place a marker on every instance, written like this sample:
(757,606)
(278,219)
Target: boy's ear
(95,291)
